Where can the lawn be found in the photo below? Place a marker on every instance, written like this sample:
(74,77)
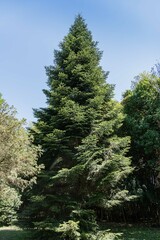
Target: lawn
(113,233)
(14,233)
(139,233)
(131,233)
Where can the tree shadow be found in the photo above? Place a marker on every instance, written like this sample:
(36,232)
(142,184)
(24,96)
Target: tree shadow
(10,234)
(137,233)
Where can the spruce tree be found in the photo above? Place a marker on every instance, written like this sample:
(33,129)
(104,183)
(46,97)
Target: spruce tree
(76,90)
(85,163)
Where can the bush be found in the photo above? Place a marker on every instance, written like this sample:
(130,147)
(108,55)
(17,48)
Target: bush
(69,230)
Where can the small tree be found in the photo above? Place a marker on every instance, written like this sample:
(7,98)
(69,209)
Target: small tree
(69,230)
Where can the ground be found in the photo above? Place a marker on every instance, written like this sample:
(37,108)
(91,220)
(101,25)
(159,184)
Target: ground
(134,233)
(114,233)
(14,233)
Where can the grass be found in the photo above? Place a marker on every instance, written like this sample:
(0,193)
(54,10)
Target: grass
(132,233)
(114,233)
(14,233)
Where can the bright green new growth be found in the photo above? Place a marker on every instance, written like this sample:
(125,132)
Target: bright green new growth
(69,230)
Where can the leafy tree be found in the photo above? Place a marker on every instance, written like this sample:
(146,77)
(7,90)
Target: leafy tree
(18,162)
(142,123)
(85,163)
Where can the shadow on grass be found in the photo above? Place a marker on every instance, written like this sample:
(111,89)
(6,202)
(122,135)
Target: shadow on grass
(11,234)
(113,233)
(137,233)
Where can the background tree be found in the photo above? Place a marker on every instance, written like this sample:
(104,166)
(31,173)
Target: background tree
(85,163)
(142,123)
(18,162)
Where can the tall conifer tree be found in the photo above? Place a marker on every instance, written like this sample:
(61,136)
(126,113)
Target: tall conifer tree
(77,89)
(85,163)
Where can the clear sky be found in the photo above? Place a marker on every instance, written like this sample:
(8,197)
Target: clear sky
(128,32)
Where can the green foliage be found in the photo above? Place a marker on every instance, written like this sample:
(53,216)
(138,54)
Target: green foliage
(86,218)
(85,163)
(106,166)
(76,89)
(18,162)
(9,204)
(69,230)
(142,109)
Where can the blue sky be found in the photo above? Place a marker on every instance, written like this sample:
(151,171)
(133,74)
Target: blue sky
(128,33)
